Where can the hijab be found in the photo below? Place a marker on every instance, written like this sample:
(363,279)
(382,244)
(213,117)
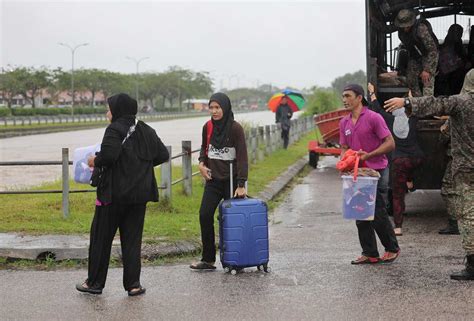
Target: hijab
(454,36)
(122,105)
(468,86)
(222,127)
(146,142)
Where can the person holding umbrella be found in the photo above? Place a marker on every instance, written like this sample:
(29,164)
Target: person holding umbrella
(283,117)
(284,104)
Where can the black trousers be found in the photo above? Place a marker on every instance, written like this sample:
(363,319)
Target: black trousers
(214,192)
(129,220)
(380,225)
(285,134)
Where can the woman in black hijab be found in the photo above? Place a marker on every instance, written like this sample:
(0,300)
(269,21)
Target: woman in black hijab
(223,142)
(129,151)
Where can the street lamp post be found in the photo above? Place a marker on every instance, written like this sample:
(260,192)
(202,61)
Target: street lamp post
(73,50)
(137,63)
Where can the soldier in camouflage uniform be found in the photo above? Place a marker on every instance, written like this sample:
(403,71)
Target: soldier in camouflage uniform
(460,109)
(421,43)
(447,188)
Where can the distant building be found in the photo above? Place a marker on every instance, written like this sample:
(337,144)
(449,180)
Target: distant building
(63,98)
(197,104)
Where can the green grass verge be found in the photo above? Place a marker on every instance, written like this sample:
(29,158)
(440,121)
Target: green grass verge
(176,220)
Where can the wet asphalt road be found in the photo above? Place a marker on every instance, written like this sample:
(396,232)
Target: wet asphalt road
(47,147)
(311,278)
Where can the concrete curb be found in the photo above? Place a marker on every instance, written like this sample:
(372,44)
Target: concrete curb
(61,247)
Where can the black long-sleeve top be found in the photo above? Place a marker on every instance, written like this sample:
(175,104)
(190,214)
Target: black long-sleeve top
(130,177)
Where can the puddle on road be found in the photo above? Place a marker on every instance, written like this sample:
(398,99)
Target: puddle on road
(288,212)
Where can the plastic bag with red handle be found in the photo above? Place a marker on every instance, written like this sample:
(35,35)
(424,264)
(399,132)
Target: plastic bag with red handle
(347,161)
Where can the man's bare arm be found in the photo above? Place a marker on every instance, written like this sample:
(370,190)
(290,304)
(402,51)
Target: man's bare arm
(386,147)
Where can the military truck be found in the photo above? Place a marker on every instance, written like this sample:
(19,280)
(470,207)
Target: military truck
(385,57)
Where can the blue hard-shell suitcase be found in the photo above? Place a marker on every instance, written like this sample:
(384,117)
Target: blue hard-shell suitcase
(243,234)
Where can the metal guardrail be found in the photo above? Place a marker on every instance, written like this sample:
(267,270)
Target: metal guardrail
(11,121)
(261,142)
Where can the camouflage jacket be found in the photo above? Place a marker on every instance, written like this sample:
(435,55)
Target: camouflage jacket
(460,108)
(430,60)
(424,48)
(445,137)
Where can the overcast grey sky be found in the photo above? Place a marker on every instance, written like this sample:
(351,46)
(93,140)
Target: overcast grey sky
(291,43)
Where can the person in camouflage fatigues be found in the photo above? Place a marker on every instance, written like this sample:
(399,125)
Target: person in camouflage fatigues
(447,188)
(460,109)
(421,43)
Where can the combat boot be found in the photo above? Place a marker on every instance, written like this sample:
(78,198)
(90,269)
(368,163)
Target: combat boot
(451,229)
(468,272)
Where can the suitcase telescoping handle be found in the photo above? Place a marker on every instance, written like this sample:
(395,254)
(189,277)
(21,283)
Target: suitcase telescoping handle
(231,180)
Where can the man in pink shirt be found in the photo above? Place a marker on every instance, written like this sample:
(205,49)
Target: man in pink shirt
(365,131)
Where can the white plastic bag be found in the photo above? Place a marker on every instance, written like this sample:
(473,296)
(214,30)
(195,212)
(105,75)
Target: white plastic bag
(82,171)
(401,128)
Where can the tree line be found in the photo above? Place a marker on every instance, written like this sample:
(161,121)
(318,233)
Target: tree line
(156,89)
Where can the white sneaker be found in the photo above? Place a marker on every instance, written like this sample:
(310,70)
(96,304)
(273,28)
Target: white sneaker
(398,231)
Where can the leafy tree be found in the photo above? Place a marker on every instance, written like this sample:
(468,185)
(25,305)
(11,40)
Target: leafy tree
(39,79)
(26,81)
(249,96)
(173,85)
(357,77)
(196,85)
(60,81)
(150,85)
(322,100)
(96,80)
(114,82)
(9,85)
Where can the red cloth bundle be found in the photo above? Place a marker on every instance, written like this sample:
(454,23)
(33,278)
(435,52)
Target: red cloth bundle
(347,161)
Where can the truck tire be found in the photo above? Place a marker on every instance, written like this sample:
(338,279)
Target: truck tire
(313,159)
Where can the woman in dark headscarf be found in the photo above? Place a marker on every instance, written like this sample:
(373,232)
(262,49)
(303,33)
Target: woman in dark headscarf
(452,61)
(223,141)
(129,151)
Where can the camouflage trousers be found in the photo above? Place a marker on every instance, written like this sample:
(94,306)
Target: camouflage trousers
(464,209)
(448,192)
(414,69)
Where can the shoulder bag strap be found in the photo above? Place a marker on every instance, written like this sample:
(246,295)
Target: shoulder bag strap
(130,131)
(209,129)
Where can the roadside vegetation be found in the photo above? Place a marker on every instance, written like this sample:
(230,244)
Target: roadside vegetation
(323,99)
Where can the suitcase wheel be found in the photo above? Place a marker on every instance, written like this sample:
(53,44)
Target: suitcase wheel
(232,270)
(265,268)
